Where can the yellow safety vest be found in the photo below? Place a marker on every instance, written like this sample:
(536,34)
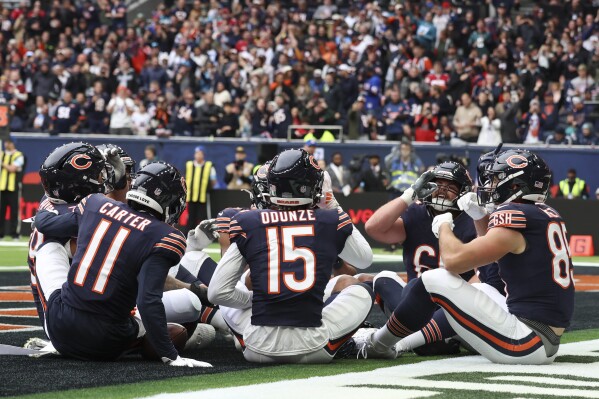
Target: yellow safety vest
(8,180)
(197,179)
(577,188)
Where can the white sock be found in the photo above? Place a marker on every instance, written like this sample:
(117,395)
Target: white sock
(412,341)
(384,337)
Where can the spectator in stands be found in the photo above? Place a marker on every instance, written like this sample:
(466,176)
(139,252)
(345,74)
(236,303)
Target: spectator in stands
(140,120)
(426,123)
(573,187)
(588,136)
(395,114)
(184,115)
(95,109)
(559,137)
(467,119)
(121,108)
(597,194)
(356,128)
(40,121)
(490,130)
(68,116)
(208,116)
(229,122)
(340,175)
(534,123)
(45,82)
(238,174)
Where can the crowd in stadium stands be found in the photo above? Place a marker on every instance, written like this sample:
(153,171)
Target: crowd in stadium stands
(438,71)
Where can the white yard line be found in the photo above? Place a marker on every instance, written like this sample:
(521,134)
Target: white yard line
(409,381)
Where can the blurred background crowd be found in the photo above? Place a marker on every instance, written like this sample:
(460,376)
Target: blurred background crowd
(491,71)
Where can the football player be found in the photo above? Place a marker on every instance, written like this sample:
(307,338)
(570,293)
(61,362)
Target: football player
(70,173)
(409,222)
(290,248)
(124,252)
(528,240)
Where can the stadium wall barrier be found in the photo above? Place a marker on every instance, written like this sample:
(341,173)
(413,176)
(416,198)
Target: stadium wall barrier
(359,207)
(179,150)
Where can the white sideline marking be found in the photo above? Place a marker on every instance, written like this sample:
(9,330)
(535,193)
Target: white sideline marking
(545,380)
(405,381)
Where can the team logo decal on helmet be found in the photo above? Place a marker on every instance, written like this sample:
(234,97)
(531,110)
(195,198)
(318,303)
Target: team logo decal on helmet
(517,161)
(73,171)
(81,165)
(515,175)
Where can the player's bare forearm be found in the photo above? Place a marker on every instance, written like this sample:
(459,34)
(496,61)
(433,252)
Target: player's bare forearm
(172,283)
(385,224)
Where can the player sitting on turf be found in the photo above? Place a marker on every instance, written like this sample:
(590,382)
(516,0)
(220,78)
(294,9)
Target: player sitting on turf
(290,249)
(122,259)
(406,221)
(528,240)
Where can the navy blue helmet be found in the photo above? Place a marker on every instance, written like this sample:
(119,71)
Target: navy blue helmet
(294,179)
(515,174)
(73,171)
(160,188)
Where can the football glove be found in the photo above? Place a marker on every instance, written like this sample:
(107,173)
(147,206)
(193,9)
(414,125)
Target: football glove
(184,362)
(422,188)
(113,158)
(327,200)
(200,237)
(439,220)
(201,292)
(469,204)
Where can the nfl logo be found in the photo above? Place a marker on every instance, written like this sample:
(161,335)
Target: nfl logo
(539,184)
(157,191)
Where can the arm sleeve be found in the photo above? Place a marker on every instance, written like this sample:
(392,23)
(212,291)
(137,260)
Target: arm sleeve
(52,225)
(357,251)
(222,290)
(150,281)
(509,217)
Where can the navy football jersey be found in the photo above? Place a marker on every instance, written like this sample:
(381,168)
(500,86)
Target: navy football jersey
(540,281)
(290,254)
(107,285)
(421,247)
(223,219)
(36,240)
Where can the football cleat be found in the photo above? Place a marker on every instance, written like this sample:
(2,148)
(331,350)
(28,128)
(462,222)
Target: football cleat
(203,335)
(367,349)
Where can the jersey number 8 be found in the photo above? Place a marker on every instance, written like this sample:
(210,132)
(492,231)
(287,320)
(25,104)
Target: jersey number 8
(558,244)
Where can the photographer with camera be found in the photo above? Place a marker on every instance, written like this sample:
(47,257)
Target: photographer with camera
(238,173)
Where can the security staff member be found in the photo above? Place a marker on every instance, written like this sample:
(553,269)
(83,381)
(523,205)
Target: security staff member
(200,176)
(13,162)
(572,187)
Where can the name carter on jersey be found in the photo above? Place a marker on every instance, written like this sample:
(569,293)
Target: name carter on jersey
(117,213)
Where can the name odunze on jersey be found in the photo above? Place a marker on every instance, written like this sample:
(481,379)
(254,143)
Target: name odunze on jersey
(291,254)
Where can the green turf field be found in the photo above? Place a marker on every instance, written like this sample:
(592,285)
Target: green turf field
(290,372)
